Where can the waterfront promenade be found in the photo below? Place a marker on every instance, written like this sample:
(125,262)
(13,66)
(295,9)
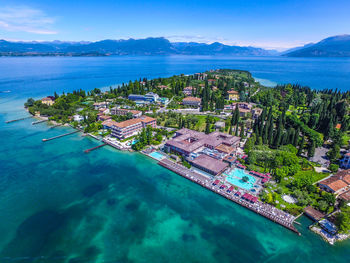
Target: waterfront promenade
(278,216)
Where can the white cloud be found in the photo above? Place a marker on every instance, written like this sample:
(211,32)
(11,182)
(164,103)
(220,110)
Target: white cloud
(25,19)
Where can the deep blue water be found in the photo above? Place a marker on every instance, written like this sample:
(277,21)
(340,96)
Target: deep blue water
(41,75)
(58,204)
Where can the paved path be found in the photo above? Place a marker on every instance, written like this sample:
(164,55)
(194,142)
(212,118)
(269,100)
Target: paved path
(321,156)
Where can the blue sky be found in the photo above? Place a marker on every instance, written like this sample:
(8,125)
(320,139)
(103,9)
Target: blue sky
(261,23)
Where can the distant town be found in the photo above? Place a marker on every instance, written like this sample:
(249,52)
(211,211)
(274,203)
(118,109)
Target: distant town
(279,152)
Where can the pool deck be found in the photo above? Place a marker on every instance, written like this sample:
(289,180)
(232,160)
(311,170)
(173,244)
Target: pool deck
(278,216)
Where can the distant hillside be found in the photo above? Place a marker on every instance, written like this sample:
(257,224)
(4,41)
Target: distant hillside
(148,46)
(193,48)
(336,46)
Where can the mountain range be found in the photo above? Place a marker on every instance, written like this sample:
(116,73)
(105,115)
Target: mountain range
(147,46)
(336,46)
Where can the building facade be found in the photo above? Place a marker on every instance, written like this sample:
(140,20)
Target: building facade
(124,112)
(192,101)
(150,97)
(103,104)
(128,128)
(345,162)
(49,100)
(256,112)
(188,91)
(233,95)
(338,183)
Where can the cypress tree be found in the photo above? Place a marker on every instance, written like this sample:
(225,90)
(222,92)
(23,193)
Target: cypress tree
(311,149)
(270,134)
(236,116)
(233,118)
(236,132)
(277,141)
(301,146)
(207,126)
(296,137)
(265,133)
(242,131)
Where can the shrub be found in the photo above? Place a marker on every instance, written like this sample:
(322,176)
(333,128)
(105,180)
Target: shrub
(333,167)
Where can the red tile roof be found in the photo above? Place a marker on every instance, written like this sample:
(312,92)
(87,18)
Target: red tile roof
(192,99)
(338,181)
(210,163)
(145,119)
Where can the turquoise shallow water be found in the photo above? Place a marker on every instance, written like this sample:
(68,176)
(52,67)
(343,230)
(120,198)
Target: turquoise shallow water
(58,204)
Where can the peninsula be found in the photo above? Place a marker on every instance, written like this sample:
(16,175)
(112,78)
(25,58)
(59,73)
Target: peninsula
(260,147)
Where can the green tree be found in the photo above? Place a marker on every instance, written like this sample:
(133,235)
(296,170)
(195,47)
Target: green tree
(342,220)
(236,131)
(242,131)
(245,179)
(311,149)
(207,127)
(29,103)
(333,168)
(301,146)
(334,153)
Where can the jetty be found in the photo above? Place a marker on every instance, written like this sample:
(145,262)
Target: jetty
(94,148)
(54,126)
(39,121)
(278,216)
(18,119)
(59,136)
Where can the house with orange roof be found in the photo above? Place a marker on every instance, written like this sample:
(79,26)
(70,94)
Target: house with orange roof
(125,112)
(336,184)
(233,95)
(128,128)
(49,100)
(102,117)
(188,91)
(191,101)
(107,124)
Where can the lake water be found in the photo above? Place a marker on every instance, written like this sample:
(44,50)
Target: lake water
(58,204)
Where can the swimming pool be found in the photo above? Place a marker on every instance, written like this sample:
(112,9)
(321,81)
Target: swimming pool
(236,177)
(157,155)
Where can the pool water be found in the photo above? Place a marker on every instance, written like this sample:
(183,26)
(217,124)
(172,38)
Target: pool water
(236,177)
(157,155)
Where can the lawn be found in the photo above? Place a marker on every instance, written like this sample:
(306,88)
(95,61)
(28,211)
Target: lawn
(200,125)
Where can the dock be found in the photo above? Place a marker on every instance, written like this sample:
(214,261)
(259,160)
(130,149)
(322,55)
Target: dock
(278,216)
(59,136)
(94,148)
(37,122)
(18,119)
(54,126)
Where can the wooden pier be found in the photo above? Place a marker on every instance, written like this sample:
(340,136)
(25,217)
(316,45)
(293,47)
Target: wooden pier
(39,121)
(18,119)
(94,148)
(59,136)
(260,208)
